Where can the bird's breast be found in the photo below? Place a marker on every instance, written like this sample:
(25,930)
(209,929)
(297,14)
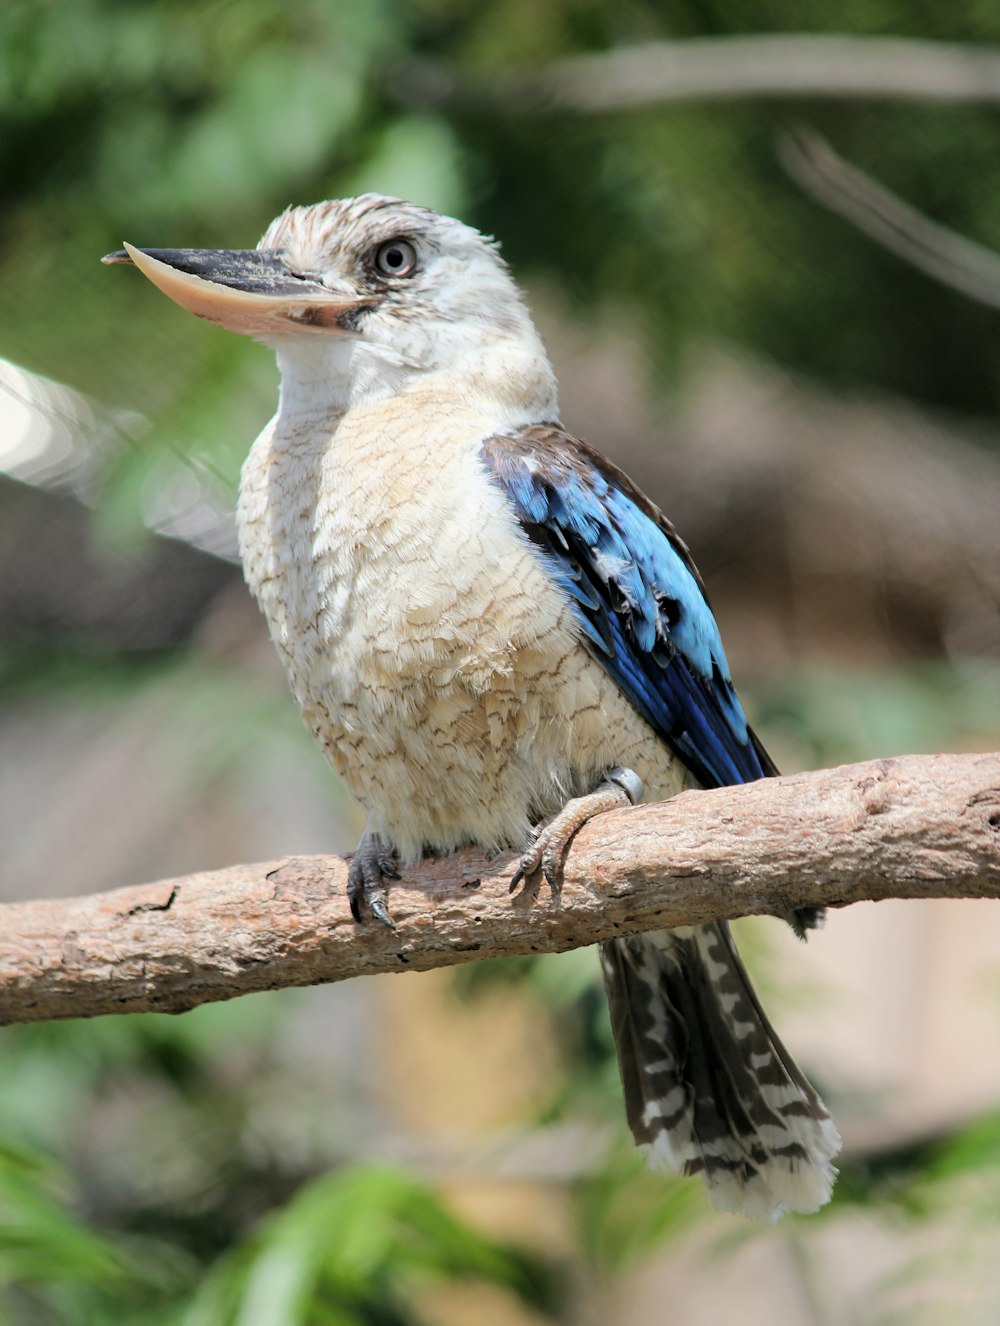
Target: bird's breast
(432,655)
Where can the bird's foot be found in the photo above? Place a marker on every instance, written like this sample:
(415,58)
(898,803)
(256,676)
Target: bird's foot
(622,787)
(371,865)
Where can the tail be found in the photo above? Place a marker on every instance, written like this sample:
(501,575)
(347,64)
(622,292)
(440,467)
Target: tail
(709,1088)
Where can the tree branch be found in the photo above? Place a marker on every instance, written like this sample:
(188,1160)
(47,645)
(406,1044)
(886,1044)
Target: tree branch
(940,253)
(802,65)
(914,827)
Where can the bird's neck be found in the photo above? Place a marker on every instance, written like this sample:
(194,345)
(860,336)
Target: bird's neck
(511,381)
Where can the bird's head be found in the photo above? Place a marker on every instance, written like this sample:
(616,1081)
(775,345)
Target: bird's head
(362,297)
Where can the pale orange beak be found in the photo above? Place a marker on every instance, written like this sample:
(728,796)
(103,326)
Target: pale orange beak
(250,291)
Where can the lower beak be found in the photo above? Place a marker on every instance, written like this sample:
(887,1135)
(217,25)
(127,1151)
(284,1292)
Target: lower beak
(244,290)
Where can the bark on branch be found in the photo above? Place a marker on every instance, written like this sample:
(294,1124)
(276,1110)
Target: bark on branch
(914,827)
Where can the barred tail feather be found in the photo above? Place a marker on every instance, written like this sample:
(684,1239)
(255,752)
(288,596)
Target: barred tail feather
(709,1087)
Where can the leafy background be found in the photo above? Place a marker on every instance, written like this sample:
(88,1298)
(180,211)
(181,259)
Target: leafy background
(816,415)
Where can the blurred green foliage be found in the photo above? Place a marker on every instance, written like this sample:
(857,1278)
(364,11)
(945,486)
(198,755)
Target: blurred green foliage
(351,1250)
(171,1223)
(355,1248)
(175,122)
(819,717)
(52,1263)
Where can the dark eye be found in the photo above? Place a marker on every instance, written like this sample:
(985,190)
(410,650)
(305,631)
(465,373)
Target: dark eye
(397,257)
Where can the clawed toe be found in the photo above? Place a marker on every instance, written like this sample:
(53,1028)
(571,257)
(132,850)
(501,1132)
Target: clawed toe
(526,868)
(622,787)
(370,866)
(545,857)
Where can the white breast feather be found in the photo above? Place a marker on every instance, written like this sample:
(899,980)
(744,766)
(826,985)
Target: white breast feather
(431,653)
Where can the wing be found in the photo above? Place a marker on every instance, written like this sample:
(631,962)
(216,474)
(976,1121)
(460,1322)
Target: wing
(639,601)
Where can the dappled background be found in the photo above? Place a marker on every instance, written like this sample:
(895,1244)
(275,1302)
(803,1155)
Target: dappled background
(768,273)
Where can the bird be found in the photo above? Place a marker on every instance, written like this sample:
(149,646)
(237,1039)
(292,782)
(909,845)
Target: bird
(489,628)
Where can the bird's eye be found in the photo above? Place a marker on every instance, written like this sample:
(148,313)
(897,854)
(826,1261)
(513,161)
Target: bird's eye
(397,257)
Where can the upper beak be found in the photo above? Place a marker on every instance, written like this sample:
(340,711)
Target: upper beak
(245,290)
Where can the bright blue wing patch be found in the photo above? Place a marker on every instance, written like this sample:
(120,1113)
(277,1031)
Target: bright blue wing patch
(637,598)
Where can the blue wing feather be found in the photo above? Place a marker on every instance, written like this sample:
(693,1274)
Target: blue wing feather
(638,599)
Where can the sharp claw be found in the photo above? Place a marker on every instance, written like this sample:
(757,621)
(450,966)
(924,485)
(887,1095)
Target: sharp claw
(551,877)
(516,878)
(381,912)
(389,870)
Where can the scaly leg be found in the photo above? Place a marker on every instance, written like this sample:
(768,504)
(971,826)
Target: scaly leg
(621,787)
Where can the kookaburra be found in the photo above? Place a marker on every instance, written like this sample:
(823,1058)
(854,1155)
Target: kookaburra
(486,624)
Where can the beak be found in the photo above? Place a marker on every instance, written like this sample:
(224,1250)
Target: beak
(245,290)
